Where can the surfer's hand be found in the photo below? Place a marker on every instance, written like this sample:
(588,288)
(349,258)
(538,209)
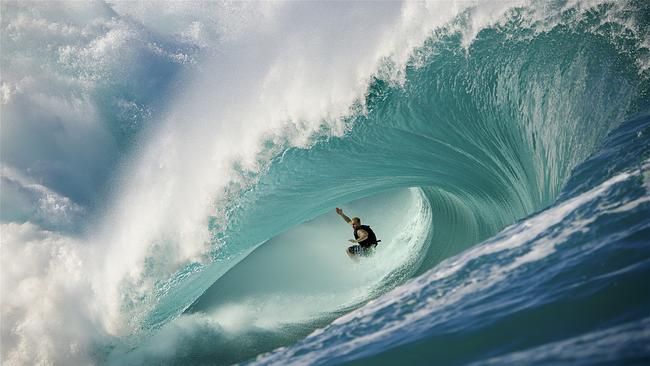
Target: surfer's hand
(339,211)
(352,241)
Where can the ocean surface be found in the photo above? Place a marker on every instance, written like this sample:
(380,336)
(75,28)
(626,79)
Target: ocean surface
(170,173)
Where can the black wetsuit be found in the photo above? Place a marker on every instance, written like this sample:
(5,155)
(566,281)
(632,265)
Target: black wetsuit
(364,247)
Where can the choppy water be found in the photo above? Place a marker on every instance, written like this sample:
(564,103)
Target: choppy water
(170,173)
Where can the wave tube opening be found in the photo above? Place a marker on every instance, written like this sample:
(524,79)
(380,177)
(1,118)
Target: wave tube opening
(300,280)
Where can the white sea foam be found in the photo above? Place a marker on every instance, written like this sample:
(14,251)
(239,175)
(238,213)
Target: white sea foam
(48,316)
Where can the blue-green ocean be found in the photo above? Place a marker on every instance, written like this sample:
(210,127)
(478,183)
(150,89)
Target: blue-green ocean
(170,173)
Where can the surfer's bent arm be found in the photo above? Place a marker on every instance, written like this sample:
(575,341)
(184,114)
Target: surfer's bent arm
(363,235)
(340,212)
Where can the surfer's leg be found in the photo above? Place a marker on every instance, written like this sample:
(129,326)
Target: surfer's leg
(352,252)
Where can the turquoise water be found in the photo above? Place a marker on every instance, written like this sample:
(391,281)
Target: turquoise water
(504,165)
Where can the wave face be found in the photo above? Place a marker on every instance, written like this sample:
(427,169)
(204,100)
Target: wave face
(175,203)
(575,273)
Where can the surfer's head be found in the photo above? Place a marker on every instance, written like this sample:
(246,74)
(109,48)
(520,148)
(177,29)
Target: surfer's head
(356,222)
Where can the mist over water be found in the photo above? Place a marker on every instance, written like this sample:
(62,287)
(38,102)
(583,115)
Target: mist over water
(170,171)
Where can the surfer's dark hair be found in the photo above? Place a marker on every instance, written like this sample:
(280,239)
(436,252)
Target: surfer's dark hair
(356,219)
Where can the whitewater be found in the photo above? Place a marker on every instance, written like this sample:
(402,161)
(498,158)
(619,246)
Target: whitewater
(170,172)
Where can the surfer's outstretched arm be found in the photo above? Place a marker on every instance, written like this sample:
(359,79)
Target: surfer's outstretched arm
(340,212)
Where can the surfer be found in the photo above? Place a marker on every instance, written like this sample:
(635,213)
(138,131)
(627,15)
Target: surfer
(363,236)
